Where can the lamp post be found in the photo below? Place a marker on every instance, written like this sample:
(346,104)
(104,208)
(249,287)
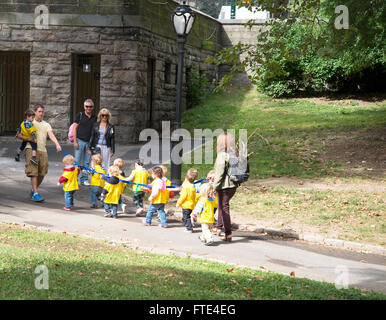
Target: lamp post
(183,19)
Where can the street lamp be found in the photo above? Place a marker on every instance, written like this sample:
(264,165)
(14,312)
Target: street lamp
(183,19)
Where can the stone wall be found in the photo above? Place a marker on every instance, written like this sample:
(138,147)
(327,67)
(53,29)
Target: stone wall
(131,33)
(233,32)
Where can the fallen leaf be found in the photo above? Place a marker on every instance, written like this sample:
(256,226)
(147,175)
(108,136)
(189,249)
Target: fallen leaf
(292,274)
(64,232)
(81,274)
(231,270)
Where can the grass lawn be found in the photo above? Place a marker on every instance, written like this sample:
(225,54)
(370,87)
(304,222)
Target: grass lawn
(340,142)
(290,137)
(87,269)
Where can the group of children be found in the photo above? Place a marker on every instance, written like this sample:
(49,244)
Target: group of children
(195,201)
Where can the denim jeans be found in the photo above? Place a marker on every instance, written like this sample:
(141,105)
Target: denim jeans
(95,193)
(157,207)
(69,198)
(82,157)
(111,206)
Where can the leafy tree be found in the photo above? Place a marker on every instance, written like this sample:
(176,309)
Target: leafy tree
(303,47)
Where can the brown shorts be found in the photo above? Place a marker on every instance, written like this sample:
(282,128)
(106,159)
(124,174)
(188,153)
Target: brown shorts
(33,170)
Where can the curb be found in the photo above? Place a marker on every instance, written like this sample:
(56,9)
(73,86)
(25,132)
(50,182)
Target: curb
(356,246)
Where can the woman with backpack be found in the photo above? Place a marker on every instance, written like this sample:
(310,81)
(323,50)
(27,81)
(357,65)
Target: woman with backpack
(102,138)
(223,185)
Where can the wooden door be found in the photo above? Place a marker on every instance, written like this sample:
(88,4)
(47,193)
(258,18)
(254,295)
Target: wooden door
(85,82)
(14,89)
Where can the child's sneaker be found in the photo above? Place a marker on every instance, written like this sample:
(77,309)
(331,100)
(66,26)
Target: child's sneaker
(163,227)
(67,209)
(109,215)
(17,157)
(145,223)
(33,160)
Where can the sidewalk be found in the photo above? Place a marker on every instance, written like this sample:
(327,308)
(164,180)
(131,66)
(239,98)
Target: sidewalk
(258,251)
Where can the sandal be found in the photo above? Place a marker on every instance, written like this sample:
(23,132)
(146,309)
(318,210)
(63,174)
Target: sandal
(226,238)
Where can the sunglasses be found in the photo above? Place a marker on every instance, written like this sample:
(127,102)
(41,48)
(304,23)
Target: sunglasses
(89,107)
(104,115)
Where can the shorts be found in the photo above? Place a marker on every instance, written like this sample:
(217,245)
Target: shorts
(33,170)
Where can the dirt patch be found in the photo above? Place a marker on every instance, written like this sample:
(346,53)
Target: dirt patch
(336,184)
(362,153)
(347,99)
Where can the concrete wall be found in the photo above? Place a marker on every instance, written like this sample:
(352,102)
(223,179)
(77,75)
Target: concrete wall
(233,32)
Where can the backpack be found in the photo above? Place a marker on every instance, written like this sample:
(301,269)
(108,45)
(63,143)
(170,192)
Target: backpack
(238,168)
(71,130)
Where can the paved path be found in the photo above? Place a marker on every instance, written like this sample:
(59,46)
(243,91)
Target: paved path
(284,256)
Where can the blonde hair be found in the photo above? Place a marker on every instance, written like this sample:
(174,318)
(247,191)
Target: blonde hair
(164,170)
(114,171)
(211,173)
(104,111)
(96,158)
(206,190)
(191,175)
(119,163)
(226,142)
(68,160)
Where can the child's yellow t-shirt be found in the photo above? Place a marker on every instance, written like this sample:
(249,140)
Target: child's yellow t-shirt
(72,182)
(162,195)
(27,132)
(96,179)
(188,197)
(207,214)
(114,193)
(140,176)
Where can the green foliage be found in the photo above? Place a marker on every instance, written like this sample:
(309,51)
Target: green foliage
(303,50)
(198,87)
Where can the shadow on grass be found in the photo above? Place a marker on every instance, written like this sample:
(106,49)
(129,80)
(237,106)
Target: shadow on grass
(88,270)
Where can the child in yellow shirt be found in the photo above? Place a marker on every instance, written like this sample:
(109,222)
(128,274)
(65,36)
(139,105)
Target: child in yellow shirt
(69,178)
(139,175)
(28,131)
(112,192)
(158,198)
(188,198)
(120,164)
(97,183)
(205,209)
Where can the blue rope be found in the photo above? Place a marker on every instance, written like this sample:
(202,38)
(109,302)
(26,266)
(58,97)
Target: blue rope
(125,181)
